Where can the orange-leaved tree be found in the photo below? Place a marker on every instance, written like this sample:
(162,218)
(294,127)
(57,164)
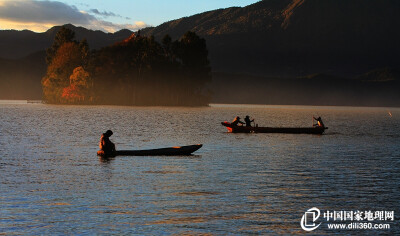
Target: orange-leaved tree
(66,56)
(80,87)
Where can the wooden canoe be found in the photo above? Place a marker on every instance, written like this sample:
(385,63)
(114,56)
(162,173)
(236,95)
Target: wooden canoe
(170,151)
(285,130)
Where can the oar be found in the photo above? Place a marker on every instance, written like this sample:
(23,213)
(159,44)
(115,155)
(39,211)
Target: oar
(254,123)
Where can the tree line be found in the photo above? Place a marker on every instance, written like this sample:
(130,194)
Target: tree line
(136,71)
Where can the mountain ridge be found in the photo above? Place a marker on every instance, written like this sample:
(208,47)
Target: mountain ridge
(13,42)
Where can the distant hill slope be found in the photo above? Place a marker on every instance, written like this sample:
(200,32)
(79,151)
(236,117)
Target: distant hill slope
(20,78)
(17,44)
(297,37)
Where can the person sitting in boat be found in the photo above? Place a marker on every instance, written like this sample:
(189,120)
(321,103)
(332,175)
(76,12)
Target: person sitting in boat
(237,121)
(105,144)
(248,121)
(319,122)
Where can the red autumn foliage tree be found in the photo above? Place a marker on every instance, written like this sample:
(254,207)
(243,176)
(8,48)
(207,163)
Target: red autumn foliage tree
(64,59)
(80,86)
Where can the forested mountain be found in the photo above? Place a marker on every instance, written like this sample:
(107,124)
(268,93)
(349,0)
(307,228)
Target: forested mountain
(301,51)
(297,37)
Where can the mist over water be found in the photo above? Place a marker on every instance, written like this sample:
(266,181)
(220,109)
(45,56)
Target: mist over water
(52,182)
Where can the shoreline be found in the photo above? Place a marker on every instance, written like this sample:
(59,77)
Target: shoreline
(212,105)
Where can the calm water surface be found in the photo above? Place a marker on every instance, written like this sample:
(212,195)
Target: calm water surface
(52,182)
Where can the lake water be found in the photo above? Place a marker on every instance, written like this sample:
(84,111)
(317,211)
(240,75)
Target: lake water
(52,182)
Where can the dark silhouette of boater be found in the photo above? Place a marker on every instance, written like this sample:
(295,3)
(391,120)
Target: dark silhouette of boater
(248,121)
(105,144)
(319,122)
(237,121)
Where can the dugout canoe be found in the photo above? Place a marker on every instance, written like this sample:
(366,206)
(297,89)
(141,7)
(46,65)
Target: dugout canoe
(286,130)
(170,151)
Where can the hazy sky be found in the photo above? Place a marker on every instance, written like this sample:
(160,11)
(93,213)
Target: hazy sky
(106,15)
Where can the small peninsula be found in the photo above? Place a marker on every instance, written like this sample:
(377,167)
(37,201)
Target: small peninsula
(137,71)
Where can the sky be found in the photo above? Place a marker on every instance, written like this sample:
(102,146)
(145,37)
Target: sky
(105,15)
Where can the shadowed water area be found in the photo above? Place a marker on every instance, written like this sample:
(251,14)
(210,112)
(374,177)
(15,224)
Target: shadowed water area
(52,182)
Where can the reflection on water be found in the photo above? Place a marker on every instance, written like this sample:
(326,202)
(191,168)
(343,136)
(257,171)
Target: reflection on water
(52,182)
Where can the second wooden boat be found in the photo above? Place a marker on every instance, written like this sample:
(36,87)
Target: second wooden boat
(287,130)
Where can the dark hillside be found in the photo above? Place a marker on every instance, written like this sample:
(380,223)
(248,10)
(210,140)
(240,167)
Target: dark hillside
(20,78)
(297,37)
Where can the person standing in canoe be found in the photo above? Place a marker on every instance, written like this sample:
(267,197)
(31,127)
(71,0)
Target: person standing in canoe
(319,122)
(105,144)
(237,121)
(248,121)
